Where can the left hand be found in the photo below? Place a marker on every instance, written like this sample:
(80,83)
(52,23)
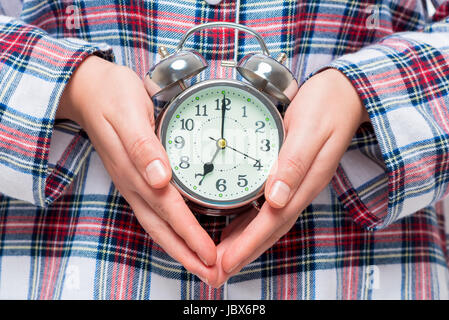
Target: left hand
(320,124)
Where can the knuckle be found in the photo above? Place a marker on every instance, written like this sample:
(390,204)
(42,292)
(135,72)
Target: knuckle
(279,233)
(166,209)
(296,168)
(164,203)
(160,209)
(284,218)
(155,229)
(138,148)
(120,173)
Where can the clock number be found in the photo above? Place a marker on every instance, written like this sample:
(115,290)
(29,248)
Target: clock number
(184,164)
(220,102)
(258,165)
(221,185)
(242,181)
(266,145)
(198,113)
(244,112)
(179,142)
(260,125)
(187,124)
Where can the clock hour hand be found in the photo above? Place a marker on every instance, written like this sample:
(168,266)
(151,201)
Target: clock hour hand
(208,167)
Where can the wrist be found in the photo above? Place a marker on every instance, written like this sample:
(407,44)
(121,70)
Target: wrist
(343,90)
(76,94)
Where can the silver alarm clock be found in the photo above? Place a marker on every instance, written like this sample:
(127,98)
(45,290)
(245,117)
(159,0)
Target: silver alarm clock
(222,136)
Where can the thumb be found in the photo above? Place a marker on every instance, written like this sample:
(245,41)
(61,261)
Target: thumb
(136,131)
(296,156)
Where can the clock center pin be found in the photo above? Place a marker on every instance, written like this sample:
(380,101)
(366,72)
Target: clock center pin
(221,143)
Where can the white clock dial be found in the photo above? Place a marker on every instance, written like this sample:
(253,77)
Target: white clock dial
(222,138)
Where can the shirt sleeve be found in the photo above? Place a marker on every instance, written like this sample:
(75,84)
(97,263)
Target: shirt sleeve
(34,69)
(11,8)
(399,164)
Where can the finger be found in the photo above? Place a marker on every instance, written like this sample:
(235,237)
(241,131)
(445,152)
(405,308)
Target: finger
(270,219)
(151,86)
(167,238)
(233,231)
(296,155)
(166,202)
(170,206)
(321,171)
(136,131)
(229,235)
(223,276)
(237,224)
(250,238)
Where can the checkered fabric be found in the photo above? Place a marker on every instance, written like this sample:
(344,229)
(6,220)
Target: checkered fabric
(378,231)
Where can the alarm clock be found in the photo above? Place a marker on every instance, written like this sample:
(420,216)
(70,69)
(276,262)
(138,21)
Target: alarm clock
(222,136)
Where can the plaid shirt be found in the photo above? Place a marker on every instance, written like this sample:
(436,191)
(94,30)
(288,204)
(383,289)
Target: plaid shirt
(379,230)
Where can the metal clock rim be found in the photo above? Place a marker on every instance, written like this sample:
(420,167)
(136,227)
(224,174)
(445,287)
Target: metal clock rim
(171,107)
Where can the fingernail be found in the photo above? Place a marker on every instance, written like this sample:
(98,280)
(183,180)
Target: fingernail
(232,268)
(204,280)
(280,193)
(156,173)
(204,260)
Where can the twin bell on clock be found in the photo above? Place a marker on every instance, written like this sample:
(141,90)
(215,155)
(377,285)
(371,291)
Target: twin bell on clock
(222,136)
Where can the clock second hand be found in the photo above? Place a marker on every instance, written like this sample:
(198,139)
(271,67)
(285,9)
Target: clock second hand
(244,154)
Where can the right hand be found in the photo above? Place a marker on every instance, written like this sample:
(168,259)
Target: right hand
(112,105)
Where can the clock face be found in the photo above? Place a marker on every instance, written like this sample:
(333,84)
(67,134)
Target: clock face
(222,138)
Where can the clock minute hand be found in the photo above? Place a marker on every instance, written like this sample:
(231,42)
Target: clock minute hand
(223,112)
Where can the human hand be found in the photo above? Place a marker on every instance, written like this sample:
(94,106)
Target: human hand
(320,123)
(111,104)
